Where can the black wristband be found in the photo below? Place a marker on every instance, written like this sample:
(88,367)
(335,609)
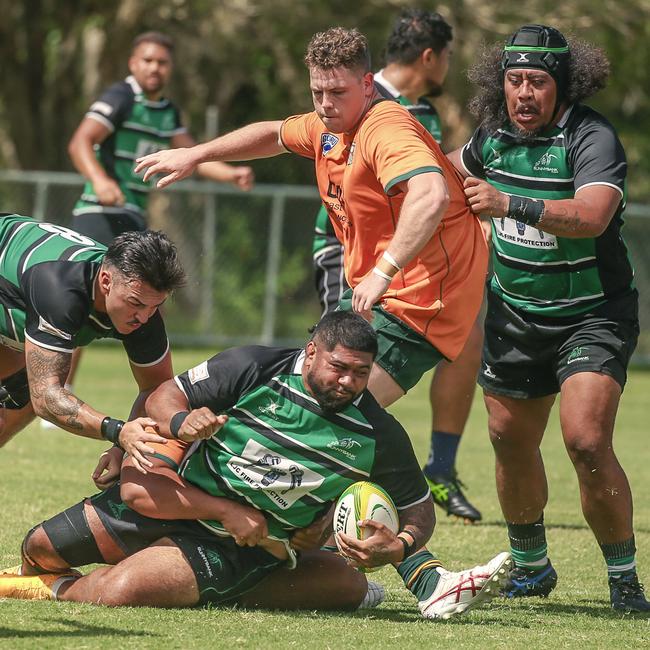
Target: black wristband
(528,211)
(409,549)
(110,429)
(176,422)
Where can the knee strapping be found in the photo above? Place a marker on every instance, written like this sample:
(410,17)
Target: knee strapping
(72,538)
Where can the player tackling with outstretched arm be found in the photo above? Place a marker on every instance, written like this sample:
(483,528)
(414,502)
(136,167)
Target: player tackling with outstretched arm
(60,290)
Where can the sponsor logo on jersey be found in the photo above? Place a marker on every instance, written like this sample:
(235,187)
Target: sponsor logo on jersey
(44,326)
(102,107)
(270,409)
(328,142)
(344,446)
(283,480)
(198,373)
(544,164)
(577,354)
(517,232)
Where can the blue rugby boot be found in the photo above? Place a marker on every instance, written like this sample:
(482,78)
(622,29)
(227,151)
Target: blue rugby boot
(524,583)
(626,593)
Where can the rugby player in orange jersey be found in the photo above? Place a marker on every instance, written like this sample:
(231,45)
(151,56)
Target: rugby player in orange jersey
(415,256)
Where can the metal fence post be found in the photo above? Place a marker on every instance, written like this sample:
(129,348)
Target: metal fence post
(209,236)
(40,200)
(273,268)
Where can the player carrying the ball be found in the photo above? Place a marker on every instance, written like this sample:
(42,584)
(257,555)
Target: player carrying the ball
(238,506)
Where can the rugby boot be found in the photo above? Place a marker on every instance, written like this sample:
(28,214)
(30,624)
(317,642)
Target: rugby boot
(523,583)
(459,592)
(447,493)
(626,593)
(43,587)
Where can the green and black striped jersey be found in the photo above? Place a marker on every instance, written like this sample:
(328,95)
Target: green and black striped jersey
(47,285)
(279,451)
(534,270)
(424,112)
(138,127)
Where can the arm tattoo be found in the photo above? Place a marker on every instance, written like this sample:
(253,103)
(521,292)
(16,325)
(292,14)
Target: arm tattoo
(47,372)
(418,521)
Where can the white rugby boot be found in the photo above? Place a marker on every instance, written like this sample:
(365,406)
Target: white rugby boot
(459,592)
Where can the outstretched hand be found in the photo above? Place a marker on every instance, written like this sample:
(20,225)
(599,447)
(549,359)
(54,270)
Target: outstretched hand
(134,437)
(176,163)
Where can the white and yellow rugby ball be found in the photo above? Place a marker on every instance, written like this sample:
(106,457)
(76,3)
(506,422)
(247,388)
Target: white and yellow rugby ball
(363,500)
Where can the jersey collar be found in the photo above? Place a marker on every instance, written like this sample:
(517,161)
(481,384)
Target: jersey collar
(387,85)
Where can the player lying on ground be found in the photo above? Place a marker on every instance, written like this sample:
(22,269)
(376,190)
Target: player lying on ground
(295,428)
(60,290)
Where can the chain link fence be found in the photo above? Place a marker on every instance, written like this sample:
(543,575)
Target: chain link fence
(248,255)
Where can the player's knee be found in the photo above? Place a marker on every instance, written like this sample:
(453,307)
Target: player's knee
(117,588)
(39,554)
(586,452)
(354,591)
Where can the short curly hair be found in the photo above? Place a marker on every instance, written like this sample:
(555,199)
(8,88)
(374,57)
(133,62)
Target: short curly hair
(588,73)
(338,48)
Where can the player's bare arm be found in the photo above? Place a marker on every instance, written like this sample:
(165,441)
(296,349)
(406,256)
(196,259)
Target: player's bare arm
(163,494)
(258,140)
(47,372)
(169,407)
(239,176)
(426,199)
(90,133)
(383,546)
(586,215)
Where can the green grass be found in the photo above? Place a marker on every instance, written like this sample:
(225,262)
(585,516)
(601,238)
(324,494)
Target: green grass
(42,472)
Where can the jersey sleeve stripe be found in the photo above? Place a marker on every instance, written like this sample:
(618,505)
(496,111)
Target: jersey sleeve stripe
(178,382)
(102,120)
(415,503)
(616,187)
(413,172)
(151,363)
(40,344)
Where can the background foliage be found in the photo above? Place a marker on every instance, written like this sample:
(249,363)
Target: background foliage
(245,56)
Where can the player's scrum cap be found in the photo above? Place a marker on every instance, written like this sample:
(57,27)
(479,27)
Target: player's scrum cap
(541,47)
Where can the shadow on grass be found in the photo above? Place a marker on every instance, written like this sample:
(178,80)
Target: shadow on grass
(75,629)
(500,523)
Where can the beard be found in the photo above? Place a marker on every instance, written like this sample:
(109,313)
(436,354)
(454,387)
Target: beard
(524,134)
(328,398)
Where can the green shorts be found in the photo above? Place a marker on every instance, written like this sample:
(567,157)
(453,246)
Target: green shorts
(403,353)
(526,356)
(222,569)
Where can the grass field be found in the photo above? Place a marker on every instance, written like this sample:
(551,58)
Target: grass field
(42,472)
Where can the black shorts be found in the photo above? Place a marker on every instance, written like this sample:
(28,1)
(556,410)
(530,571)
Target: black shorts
(222,569)
(528,356)
(329,276)
(104,227)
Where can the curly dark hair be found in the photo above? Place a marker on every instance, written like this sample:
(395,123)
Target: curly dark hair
(338,47)
(414,31)
(588,72)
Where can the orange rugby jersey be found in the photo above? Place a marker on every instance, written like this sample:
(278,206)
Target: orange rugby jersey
(438,294)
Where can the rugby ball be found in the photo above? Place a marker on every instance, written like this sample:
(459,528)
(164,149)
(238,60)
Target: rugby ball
(363,500)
